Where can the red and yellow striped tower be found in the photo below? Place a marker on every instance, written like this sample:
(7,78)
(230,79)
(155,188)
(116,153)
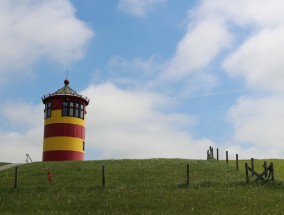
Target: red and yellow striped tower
(64,125)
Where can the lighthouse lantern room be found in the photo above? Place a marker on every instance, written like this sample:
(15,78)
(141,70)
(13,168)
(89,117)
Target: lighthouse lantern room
(64,125)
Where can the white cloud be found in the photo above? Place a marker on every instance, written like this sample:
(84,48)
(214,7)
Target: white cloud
(138,7)
(252,13)
(260,60)
(258,122)
(258,24)
(31,30)
(194,52)
(125,124)
(214,25)
(198,48)
(15,145)
(22,133)
(21,114)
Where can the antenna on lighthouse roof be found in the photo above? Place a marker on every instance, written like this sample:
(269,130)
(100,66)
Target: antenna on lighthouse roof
(66,81)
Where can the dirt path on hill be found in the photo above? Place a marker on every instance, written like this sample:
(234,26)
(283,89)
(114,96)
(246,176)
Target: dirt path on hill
(8,166)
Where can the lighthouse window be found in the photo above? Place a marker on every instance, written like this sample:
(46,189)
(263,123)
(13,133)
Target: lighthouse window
(81,111)
(47,110)
(65,109)
(76,113)
(73,109)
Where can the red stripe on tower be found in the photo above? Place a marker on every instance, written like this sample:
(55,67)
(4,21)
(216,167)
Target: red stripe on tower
(64,129)
(62,155)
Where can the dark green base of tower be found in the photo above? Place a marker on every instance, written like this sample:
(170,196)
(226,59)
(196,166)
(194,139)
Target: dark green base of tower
(62,156)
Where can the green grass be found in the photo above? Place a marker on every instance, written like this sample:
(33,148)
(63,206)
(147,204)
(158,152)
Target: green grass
(156,186)
(2,164)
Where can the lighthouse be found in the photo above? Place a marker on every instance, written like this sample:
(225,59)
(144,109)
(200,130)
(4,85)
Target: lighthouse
(64,125)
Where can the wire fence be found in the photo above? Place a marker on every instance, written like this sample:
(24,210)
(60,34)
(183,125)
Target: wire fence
(221,166)
(120,174)
(239,161)
(109,173)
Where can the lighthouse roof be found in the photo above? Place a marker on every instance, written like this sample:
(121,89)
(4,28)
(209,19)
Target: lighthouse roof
(66,91)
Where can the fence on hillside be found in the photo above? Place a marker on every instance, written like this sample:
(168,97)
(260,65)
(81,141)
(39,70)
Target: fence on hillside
(155,172)
(264,175)
(109,174)
(210,156)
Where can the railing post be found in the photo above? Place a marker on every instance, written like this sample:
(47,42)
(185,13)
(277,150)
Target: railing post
(252,165)
(207,154)
(217,154)
(272,171)
(227,157)
(103,176)
(16,177)
(247,175)
(187,174)
(237,161)
(265,167)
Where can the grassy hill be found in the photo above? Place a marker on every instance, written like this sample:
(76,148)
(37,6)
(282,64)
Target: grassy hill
(155,186)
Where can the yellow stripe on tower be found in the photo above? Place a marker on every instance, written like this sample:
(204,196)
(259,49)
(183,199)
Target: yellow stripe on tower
(56,117)
(63,143)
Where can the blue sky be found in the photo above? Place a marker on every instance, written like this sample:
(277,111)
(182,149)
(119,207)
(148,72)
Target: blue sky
(165,78)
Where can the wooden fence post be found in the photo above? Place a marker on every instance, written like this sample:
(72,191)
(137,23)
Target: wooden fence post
(103,176)
(207,154)
(217,154)
(187,174)
(272,171)
(237,161)
(265,166)
(16,177)
(227,157)
(247,175)
(252,165)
